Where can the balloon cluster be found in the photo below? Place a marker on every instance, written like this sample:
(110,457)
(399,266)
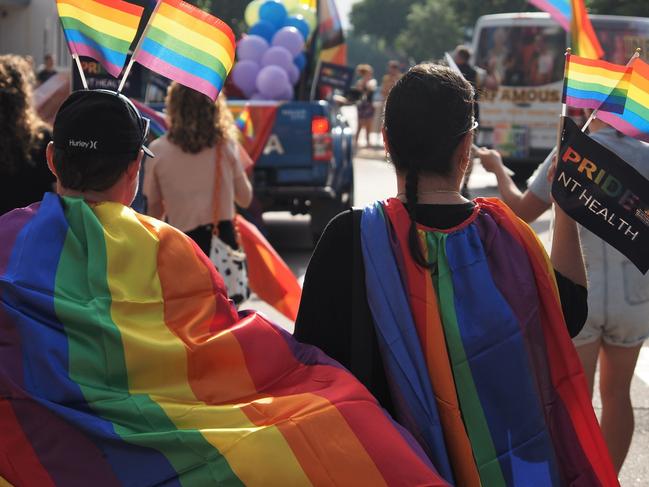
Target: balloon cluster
(271,56)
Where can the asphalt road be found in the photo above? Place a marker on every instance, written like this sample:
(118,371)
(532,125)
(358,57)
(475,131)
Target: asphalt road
(374,179)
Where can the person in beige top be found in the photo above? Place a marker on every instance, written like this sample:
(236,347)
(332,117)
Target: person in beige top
(179,182)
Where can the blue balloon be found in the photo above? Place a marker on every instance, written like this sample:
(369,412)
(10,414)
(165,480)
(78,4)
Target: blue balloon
(264,29)
(300,61)
(300,24)
(273,12)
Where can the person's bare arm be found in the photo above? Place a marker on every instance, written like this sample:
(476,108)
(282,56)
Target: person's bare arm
(566,253)
(526,205)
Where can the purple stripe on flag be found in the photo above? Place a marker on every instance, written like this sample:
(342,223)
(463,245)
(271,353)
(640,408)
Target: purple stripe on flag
(86,50)
(623,126)
(177,74)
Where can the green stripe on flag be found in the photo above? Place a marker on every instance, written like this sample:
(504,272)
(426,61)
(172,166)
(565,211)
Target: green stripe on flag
(635,107)
(105,40)
(597,88)
(190,52)
(475,421)
(97,363)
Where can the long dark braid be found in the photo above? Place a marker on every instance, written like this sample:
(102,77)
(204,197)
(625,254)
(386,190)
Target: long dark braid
(412,183)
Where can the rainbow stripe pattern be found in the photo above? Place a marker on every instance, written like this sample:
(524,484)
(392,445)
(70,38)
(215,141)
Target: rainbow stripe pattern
(123,363)
(244,124)
(584,38)
(634,119)
(595,84)
(481,367)
(100,29)
(559,10)
(189,46)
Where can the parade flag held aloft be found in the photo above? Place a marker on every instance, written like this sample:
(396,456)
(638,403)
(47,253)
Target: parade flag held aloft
(604,194)
(559,10)
(187,45)
(245,125)
(595,84)
(100,29)
(584,39)
(634,119)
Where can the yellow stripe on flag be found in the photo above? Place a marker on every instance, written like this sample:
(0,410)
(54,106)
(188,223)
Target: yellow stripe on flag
(100,24)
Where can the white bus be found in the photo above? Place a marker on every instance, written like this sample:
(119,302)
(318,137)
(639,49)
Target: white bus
(523,56)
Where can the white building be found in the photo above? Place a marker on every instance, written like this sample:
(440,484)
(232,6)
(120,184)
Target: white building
(31,27)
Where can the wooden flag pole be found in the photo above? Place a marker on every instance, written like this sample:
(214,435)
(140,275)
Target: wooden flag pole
(81,73)
(137,48)
(636,55)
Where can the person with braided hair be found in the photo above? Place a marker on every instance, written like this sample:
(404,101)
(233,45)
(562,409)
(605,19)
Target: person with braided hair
(451,313)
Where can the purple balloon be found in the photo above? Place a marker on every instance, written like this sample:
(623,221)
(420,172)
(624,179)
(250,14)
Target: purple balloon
(277,56)
(293,74)
(273,12)
(251,48)
(300,24)
(244,75)
(258,96)
(263,29)
(287,93)
(271,82)
(289,38)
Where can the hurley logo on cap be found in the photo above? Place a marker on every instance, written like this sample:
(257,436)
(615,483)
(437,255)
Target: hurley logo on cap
(84,144)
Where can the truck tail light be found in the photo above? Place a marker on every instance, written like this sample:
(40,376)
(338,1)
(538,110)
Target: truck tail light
(321,136)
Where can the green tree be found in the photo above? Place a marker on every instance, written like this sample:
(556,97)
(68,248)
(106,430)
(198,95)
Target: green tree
(468,11)
(380,19)
(636,8)
(432,28)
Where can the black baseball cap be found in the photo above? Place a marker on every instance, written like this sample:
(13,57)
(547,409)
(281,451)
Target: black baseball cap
(100,121)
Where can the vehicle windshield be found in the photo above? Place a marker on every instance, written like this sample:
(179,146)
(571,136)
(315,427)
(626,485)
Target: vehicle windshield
(620,38)
(522,55)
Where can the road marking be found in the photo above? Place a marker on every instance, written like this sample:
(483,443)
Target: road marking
(642,367)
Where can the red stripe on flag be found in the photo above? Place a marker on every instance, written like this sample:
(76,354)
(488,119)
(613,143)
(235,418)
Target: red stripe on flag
(120,5)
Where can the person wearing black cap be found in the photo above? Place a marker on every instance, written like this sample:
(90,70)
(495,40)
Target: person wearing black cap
(97,147)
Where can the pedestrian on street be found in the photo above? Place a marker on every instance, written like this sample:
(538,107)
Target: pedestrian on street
(24,175)
(365,88)
(618,294)
(451,313)
(47,70)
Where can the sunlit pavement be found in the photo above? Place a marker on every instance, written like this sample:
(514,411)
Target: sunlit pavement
(374,179)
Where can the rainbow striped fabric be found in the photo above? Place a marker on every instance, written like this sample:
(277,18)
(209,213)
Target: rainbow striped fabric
(634,120)
(595,84)
(244,124)
(123,363)
(559,10)
(584,38)
(481,367)
(189,46)
(100,29)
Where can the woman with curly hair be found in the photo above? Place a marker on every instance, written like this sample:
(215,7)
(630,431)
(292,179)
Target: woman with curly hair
(24,175)
(179,182)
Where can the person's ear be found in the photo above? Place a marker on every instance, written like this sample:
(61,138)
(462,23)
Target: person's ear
(49,155)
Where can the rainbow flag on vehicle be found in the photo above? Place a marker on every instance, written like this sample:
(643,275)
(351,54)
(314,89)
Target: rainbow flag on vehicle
(100,29)
(595,84)
(187,45)
(122,362)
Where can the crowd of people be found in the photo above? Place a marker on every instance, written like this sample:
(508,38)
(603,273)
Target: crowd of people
(445,308)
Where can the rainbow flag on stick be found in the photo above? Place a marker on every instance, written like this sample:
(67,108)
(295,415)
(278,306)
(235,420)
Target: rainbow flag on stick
(584,39)
(187,45)
(634,119)
(100,29)
(595,84)
(244,124)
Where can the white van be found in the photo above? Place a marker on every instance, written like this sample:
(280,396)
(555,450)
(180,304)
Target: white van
(523,56)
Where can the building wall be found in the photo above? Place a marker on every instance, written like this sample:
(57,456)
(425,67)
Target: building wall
(33,30)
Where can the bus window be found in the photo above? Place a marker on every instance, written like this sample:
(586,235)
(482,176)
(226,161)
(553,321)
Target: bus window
(620,37)
(522,55)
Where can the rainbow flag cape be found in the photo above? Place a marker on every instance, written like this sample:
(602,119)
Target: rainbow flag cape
(244,124)
(559,10)
(100,29)
(595,84)
(268,275)
(480,364)
(122,362)
(187,45)
(584,39)
(634,119)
